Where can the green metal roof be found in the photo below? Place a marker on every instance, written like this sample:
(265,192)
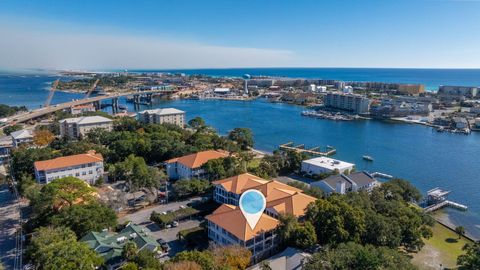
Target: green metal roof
(109,245)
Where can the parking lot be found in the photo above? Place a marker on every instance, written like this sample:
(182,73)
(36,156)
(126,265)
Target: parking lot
(142,218)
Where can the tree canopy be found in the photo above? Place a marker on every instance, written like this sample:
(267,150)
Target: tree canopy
(471,259)
(58,248)
(347,256)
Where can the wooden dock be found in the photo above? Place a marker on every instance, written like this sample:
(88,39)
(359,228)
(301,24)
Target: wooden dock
(315,151)
(443,204)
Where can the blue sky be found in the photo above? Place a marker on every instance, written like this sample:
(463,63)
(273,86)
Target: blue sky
(195,34)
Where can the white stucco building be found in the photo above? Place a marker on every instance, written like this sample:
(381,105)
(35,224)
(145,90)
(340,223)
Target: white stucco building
(190,166)
(160,116)
(321,165)
(88,167)
(80,126)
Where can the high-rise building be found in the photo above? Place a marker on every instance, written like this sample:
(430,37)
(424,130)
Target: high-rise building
(347,102)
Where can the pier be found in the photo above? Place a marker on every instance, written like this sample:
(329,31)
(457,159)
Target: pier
(437,199)
(315,151)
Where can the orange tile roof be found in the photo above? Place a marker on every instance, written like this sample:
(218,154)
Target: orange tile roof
(239,183)
(279,196)
(68,161)
(231,219)
(196,160)
(295,204)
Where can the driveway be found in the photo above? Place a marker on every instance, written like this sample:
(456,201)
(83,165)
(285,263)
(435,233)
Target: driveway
(9,222)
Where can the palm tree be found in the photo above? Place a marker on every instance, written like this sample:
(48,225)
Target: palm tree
(460,230)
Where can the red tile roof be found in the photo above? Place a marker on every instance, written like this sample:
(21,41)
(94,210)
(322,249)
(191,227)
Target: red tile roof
(62,162)
(196,160)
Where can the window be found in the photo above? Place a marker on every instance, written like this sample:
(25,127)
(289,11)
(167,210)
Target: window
(77,174)
(90,172)
(84,173)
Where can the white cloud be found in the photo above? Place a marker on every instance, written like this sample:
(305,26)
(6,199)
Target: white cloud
(22,47)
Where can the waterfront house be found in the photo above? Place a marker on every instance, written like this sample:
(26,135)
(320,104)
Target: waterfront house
(190,166)
(21,136)
(79,109)
(160,116)
(109,245)
(81,126)
(88,167)
(346,183)
(322,165)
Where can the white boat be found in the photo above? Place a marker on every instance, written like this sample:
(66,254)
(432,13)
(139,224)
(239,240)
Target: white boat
(367,158)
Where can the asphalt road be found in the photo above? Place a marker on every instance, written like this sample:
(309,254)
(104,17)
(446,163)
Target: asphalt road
(9,221)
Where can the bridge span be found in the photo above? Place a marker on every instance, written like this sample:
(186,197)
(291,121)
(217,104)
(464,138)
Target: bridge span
(33,114)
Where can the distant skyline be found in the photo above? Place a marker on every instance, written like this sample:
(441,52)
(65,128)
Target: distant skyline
(228,34)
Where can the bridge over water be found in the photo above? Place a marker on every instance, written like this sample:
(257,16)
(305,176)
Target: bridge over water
(27,116)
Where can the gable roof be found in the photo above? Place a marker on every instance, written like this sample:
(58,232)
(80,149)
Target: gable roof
(196,160)
(358,178)
(231,219)
(62,162)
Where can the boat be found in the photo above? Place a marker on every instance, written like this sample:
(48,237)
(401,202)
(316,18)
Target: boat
(367,158)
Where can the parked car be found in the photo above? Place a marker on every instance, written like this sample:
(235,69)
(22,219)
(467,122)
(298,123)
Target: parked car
(182,207)
(175,224)
(163,244)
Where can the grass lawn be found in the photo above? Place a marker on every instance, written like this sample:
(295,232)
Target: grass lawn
(443,248)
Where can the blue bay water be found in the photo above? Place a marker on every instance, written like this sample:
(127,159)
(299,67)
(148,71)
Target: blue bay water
(417,153)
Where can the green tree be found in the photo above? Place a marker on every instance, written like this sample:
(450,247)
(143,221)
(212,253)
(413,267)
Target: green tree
(354,256)
(6,110)
(58,248)
(460,230)
(336,221)
(403,189)
(129,251)
(202,258)
(243,137)
(9,129)
(196,122)
(304,236)
(84,218)
(23,159)
(471,259)
(129,266)
(136,173)
(191,187)
(145,259)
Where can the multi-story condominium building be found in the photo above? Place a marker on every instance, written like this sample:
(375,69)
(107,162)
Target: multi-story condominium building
(347,102)
(109,245)
(411,89)
(21,136)
(88,167)
(160,116)
(227,225)
(400,108)
(321,165)
(190,166)
(457,92)
(80,126)
(79,109)
(347,183)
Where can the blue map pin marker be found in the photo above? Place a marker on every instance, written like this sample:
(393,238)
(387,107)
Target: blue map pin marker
(252,204)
